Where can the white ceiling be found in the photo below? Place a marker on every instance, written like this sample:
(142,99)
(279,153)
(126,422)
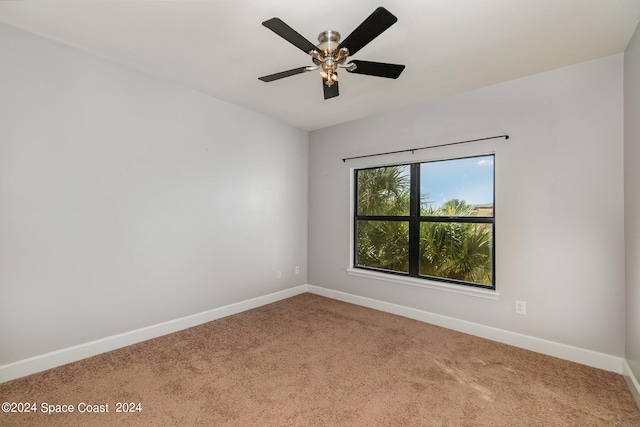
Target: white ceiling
(220,48)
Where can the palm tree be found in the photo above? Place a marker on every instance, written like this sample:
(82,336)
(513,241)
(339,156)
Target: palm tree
(453,250)
(384,244)
(384,192)
(456,250)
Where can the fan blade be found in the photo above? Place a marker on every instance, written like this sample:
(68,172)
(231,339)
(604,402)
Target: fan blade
(289,34)
(378,69)
(330,91)
(283,74)
(372,27)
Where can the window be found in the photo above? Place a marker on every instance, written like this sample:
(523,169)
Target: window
(432,220)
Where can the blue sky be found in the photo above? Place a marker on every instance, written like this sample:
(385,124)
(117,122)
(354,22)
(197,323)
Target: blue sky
(469,179)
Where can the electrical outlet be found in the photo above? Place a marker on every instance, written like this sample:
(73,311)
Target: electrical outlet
(297,269)
(279,274)
(521,307)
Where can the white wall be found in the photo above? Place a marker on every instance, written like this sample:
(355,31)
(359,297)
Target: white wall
(559,201)
(126,201)
(632,199)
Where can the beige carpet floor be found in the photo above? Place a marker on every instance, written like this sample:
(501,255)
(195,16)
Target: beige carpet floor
(313,361)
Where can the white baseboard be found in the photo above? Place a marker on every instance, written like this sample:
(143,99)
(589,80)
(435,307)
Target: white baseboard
(632,382)
(61,357)
(562,351)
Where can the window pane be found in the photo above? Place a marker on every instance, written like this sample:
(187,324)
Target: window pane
(460,187)
(384,191)
(383,244)
(457,250)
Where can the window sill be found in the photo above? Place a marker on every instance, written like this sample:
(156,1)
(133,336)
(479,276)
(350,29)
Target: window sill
(427,284)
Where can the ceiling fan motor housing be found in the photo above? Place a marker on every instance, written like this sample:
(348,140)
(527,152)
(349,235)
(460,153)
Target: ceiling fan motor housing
(328,57)
(329,41)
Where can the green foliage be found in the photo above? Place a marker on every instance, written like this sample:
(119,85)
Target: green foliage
(453,250)
(384,244)
(456,250)
(383,191)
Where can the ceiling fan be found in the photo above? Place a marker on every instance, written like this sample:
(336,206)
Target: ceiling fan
(331,54)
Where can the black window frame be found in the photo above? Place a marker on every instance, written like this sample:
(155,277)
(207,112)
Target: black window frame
(414,220)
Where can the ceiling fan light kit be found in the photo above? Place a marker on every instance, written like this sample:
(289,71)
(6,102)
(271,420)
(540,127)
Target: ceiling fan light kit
(331,54)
